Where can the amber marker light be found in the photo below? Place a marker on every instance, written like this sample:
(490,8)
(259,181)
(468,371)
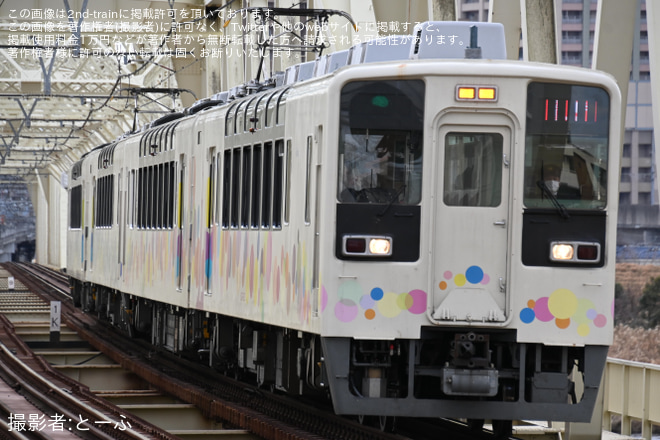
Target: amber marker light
(466,92)
(476,93)
(487,93)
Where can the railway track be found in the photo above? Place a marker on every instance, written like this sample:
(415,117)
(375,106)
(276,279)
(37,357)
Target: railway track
(268,415)
(38,402)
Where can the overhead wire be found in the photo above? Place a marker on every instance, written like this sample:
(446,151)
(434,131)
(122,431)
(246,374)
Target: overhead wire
(120,76)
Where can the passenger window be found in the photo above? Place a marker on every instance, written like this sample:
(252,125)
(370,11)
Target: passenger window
(278,174)
(267,193)
(226,188)
(235,186)
(245,190)
(256,186)
(473,169)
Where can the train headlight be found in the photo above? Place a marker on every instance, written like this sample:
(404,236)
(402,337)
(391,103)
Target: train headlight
(562,251)
(380,246)
(366,246)
(574,252)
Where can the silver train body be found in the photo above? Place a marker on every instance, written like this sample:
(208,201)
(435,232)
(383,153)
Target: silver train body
(387,231)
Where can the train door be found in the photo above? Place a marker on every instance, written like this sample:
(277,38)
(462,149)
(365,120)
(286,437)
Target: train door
(471,220)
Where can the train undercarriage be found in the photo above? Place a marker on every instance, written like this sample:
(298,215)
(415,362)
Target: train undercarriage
(448,372)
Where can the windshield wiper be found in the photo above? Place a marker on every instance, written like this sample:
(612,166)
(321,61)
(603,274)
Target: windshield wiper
(392,200)
(561,209)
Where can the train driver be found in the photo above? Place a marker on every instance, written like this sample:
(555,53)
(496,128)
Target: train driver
(552,180)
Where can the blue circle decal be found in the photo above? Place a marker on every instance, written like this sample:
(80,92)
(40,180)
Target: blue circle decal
(474,274)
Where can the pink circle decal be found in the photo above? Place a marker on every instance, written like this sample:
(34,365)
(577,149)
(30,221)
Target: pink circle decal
(448,275)
(419,302)
(346,310)
(600,321)
(486,279)
(542,311)
(324,298)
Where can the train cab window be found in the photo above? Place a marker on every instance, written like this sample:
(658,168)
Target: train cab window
(566,146)
(473,169)
(380,144)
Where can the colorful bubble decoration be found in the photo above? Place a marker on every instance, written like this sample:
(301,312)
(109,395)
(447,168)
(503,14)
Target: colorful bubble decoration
(565,308)
(353,299)
(473,275)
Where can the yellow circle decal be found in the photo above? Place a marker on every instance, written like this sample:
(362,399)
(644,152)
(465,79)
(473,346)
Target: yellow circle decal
(562,303)
(583,329)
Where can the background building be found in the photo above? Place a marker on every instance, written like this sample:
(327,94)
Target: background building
(639,219)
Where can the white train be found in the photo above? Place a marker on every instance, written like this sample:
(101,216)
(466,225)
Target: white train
(427,236)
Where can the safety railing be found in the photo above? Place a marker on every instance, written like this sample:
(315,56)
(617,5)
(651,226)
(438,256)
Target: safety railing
(631,391)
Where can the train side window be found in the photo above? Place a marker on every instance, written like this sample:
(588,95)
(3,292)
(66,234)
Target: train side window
(150,198)
(160,182)
(172,197)
(75,207)
(267,185)
(164,177)
(143,197)
(473,169)
(278,174)
(226,188)
(308,181)
(218,190)
(235,186)
(111,200)
(210,191)
(139,202)
(287,187)
(95,197)
(245,189)
(256,186)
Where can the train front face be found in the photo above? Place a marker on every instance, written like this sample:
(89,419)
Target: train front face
(473,265)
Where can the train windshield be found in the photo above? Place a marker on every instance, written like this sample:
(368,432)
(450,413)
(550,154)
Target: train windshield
(566,146)
(380,142)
